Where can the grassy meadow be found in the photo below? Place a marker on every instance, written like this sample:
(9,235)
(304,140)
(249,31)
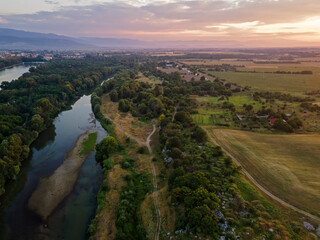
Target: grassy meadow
(88,144)
(286,165)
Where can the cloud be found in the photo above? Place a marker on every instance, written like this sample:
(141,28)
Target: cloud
(243,20)
(3,20)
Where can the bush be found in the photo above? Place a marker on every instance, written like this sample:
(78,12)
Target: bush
(107,164)
(127,163)
(142,150)
(104,148)
(279,124)
(124,105)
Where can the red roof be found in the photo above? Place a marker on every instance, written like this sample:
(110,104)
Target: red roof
(272,120)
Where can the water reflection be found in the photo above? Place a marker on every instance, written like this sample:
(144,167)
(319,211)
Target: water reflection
(70,220)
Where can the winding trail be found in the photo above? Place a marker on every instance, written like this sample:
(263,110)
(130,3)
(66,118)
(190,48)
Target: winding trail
(155,185)
(261,187)
(154,175)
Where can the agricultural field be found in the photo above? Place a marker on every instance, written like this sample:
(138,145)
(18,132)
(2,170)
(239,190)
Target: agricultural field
(261,74)
(286,165)
(291,83)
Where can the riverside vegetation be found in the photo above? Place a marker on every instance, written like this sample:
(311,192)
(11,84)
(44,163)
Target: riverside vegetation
(208,195)
(29,104)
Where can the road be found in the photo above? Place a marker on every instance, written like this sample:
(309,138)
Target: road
(265,191)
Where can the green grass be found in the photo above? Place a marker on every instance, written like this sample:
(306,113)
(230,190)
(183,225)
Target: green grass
(292,83)
(88,144)
(286,165)
(211,113)
(238,100)
(249,193)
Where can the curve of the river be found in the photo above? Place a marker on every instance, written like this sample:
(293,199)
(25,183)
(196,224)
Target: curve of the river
(71,218)
(15,72)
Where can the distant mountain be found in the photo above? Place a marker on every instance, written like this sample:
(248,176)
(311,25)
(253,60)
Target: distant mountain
(114,42)
(17,39)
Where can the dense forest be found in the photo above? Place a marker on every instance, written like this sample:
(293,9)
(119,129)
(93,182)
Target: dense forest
(11,61)
(29,104)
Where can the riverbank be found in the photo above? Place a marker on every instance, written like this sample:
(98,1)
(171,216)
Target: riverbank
(52,190)
(11,66)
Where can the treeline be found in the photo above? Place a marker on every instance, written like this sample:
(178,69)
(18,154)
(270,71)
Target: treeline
(9,61)
(311,107)
(29,104)
(306,72)
(280,96)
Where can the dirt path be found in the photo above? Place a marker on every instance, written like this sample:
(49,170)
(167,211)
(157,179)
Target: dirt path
(261,187)
(53,189)
(154,175)
(174,114)
(155,185)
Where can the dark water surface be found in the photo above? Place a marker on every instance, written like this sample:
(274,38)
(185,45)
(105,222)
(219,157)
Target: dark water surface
(15,72)
(70,220)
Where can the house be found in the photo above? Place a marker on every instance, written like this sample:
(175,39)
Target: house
(272,120)
(262,116)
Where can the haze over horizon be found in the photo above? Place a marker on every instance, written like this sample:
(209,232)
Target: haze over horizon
(251,23)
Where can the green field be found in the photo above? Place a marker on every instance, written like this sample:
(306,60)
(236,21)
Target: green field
(292,83)
(211,113)
(89,144)
(286,165)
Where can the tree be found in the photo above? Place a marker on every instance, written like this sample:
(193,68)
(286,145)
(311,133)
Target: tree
(114,96)
(37,122)
(142,108)
(248,108)
(200,135)
(44,108)
(176,153)
(279,124)
(158,90)
(181,116)
(106,147)
(124,105)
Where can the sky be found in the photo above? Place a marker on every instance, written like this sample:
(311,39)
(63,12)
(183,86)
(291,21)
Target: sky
(268,23)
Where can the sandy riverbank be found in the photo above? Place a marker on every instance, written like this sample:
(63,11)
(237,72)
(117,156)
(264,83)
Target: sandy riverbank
(53,189)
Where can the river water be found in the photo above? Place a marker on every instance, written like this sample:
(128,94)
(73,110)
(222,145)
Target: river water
(71,218)
(15,72)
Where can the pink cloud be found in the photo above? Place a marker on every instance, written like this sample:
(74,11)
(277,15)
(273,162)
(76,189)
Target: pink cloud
(249,22)
(3,20)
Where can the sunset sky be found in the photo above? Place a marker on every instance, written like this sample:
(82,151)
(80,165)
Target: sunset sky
(250,22)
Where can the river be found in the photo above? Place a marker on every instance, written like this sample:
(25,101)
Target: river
(71,218)
(15,72)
